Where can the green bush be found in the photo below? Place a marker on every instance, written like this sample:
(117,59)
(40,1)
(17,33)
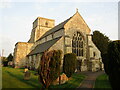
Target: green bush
(101,41)
(6,60)
(105,60)
(113,64)
(69,64)
(49,67)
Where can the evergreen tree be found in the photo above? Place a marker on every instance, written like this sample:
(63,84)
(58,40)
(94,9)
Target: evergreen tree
(6,60)
(10,57)
(69,64)
(101,41)
(113,65)
(49,68)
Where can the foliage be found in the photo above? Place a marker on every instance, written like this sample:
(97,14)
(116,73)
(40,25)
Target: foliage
(6,60)
(101,41)
(114,63)
(49,67)
(10,57)
(106,62)
(102,82)
(69,64)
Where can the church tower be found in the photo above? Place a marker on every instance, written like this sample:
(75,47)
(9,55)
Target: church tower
(40,26)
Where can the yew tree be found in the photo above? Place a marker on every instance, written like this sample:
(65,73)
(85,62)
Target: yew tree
(69,64)
(49,68)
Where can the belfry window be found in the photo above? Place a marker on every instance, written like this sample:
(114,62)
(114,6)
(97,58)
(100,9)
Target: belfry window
(77,44)
(46,23)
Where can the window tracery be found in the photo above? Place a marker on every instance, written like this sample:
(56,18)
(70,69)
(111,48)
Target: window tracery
(77,44)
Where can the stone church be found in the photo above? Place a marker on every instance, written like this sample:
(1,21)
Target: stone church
(71,36)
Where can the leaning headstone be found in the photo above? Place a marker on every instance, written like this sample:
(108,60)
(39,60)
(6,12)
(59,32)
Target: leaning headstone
(63,79)
(27,75)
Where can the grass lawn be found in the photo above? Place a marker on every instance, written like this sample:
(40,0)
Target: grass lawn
(74,82)
(102,82)
(13,78)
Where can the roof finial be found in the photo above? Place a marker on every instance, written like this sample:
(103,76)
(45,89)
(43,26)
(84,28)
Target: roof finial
(76,9)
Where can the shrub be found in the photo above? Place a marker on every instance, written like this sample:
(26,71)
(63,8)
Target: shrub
(49,67)
(114,63)
(69,64)
(4,61)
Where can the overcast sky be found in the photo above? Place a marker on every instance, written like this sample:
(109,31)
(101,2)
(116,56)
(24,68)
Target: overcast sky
(16,18)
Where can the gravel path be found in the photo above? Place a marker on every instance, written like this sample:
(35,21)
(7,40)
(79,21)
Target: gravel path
(89,80)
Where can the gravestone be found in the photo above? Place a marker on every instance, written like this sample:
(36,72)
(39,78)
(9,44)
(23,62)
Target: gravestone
(26,69)
(63,80)
(27,75)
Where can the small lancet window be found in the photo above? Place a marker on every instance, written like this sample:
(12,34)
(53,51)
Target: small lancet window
(46,23)
(94,54)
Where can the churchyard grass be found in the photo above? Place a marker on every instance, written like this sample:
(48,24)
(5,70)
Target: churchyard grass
(102,82)
(73,82)
(14,78)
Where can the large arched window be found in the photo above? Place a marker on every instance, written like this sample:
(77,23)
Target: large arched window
(77,44)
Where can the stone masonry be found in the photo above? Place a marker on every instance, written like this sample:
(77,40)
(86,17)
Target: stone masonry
(71,36)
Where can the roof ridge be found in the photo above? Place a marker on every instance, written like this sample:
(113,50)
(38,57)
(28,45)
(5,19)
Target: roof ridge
(57,27)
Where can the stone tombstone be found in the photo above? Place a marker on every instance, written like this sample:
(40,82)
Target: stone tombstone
(26,69)
(63,78)
(27,75)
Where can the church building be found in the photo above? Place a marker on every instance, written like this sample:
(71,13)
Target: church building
(70,36)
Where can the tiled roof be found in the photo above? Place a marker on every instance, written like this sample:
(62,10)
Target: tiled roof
(44,46)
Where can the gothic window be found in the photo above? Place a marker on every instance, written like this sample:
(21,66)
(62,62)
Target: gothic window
(77,44)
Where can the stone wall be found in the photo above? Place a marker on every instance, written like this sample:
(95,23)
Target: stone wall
(59,45)
(20,52)
(95,61)
(93,50)
(77,22)
(40,27)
